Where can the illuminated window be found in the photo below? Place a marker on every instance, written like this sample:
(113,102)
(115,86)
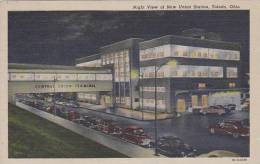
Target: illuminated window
(22,76)
(176,53)
(82,77)
(155,52)
(66,77)
(185,54)
(231,72)
(184,71)
(201,85)
(44,77)
(151,103)
(152,89)
(216,72)
(232,85)
(103,77)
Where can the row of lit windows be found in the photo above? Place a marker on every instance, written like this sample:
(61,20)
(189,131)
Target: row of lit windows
(188,52)
(198,85)
(120,60)
(58,77)
(123,100)
(189,71)
(152,89)
(161,104)
(87,96)
(116,57)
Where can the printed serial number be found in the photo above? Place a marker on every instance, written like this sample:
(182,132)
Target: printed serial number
(239,159)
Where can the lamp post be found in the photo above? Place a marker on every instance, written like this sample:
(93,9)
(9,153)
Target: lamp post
(54,101)
(172,63)
(142,110)
(155,109)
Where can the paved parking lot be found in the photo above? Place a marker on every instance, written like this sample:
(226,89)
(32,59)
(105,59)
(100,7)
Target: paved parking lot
(190,127)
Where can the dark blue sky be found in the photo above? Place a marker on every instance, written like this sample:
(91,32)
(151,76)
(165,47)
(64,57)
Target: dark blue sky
(60,37)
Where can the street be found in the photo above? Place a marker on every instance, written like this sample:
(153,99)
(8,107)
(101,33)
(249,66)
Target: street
(192,128)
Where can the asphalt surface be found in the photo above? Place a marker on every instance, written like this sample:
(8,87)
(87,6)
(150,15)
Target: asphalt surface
(190,127)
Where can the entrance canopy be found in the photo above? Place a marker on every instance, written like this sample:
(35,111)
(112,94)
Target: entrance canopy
(35,78)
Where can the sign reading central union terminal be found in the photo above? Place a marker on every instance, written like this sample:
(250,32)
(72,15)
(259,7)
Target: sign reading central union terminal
(60,86)
(41,86)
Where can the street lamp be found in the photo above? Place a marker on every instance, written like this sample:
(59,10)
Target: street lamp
(172,64)
(141,108)
(54,101)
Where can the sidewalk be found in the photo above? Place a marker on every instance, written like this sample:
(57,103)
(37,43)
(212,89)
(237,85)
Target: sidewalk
(138,115)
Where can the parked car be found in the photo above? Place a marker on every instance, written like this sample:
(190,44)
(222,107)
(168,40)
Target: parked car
(72,115)
(38,105)
(217,109)
(172,146)
(245,106)
(103,124)
(245,122)
(29,103)
(87,121)
(236,128)
(60,103)
(50,109)
(112,128)
(80,121)
(91,122)
(61,112)
(42,107)
(220,153)
(72,104)
(197,109)
(136,135)
(230,106)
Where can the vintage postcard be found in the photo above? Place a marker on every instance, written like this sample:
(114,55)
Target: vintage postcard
(129,81)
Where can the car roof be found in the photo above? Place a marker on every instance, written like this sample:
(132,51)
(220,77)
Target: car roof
(232,121)
(134,127)
(170,137)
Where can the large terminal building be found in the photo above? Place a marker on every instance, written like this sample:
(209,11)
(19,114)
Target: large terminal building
(203,72)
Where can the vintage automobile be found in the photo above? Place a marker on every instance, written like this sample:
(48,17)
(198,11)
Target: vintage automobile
(112,128)
(236,128)
(50,109)
(87,120)
(61,112)
(216,109)
(29,103)
(102,124)
(91,122)
(172,146)
(72,115)
(72,104)
(80,121)
(230,106)
(137,136)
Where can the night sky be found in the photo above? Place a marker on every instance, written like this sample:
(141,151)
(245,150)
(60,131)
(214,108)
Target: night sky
(60,37)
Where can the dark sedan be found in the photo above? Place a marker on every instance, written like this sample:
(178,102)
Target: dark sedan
(172,146)
(217,109)
(236,128)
